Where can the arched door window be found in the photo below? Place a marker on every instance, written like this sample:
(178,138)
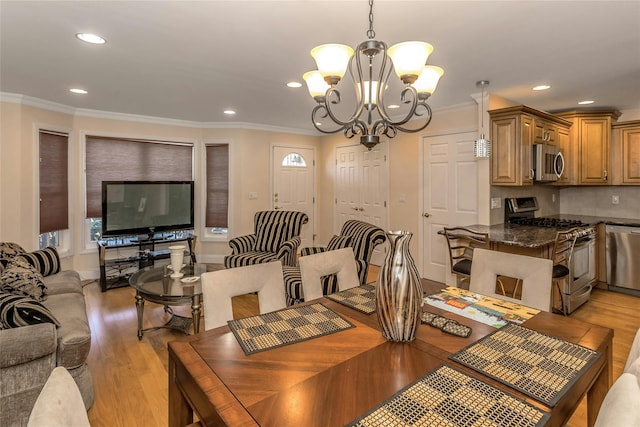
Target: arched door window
(294,160)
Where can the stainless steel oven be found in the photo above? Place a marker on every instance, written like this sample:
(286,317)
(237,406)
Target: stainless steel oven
(577,288)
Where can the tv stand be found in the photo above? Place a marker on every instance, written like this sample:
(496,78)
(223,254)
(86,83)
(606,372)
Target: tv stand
(115,272)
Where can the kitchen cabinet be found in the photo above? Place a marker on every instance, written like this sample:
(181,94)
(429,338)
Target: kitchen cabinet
(625,153)
(587,159)
(514,130)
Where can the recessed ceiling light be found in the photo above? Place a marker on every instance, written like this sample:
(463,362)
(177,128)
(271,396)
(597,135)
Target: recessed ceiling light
(393,106)
(294,84)
(76,90)
(91,38)
(587,102)
(229,112)
(542,87)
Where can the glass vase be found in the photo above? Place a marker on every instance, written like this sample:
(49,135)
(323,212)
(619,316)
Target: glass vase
(399,291)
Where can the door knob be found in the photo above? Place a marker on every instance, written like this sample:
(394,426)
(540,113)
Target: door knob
(426,214)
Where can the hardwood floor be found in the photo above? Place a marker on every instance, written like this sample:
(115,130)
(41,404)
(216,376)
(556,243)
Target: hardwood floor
(130,376)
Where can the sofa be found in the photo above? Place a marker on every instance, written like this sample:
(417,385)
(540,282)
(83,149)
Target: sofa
(38,334)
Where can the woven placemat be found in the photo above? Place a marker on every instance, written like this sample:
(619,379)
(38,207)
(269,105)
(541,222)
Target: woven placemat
(538,365)
(448,397)
(361,298)
(279,328)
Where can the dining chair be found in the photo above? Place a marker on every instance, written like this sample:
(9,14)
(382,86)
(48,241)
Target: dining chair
(620,405)
(313,268)
(60,403)
(218,287)
(461,243)
(632,365)
(534,275)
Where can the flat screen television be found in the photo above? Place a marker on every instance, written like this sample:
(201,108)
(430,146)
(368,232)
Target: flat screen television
(146,207)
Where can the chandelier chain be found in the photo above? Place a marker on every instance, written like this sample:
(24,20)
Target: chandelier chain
(370,33)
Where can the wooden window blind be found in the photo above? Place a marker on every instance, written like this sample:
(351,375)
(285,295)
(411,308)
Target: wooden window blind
(119,159)
(54,183)
(217,185)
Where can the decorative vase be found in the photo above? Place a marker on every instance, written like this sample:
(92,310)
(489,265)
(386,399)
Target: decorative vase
(177,256)
(399,290)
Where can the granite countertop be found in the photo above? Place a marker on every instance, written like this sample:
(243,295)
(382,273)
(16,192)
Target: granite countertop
(533,236)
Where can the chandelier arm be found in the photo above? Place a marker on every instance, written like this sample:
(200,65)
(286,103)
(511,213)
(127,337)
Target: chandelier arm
(424,125)
(323,114)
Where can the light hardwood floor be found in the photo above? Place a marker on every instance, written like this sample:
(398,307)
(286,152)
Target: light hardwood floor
(130,376)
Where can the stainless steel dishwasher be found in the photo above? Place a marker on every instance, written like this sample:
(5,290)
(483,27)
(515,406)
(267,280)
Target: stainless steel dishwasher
(623,259)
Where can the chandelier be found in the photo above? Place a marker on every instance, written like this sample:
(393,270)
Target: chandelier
(370,118)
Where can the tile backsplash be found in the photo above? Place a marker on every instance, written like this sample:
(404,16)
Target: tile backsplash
(592,201)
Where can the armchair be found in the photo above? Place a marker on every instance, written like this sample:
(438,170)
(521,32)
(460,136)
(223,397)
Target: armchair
(276,237)
(361,236)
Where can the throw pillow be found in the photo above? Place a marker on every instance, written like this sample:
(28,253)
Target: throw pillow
(20,278)
(269,236)
(45,261)
(20,310)
(339,242)
(9,250)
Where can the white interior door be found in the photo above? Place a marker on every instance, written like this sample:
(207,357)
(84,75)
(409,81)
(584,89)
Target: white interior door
(450,197)
(362,187)
(293,185)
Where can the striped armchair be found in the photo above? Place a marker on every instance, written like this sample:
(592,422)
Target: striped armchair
(361,236)
(276,237)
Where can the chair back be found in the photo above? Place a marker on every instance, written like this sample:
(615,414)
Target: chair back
(461,243)
(218,287)
(59,403)
(563,247)
(534,274)
(364,238)
(340,262)
(292,220)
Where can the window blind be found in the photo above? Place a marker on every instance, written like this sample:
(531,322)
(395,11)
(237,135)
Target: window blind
(54,184)
(217,185)
(119,159)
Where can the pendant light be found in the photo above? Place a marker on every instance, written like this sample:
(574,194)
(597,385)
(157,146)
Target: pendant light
(482,146)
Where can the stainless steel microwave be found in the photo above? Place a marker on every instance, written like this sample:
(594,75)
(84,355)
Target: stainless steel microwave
(548,163)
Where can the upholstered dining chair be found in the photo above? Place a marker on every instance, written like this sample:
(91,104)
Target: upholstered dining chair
(218,287)
(461,243)
(313,268)
(534,274)
(59,404)
(276,237)
(360,236)
(620,405)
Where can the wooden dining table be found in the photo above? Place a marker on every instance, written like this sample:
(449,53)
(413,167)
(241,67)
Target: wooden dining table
(333,379)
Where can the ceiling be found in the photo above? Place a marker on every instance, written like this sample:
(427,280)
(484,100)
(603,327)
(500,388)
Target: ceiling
(190,60)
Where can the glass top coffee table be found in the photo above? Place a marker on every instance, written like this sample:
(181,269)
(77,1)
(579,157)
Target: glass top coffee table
(154,284)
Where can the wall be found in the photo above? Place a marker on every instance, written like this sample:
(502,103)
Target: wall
(596,201)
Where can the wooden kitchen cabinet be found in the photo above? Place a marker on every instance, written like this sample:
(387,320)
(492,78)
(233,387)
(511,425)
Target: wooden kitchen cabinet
(625,153)
(588,160)
(513,132)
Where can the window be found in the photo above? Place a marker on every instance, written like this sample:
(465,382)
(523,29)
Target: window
(294,160)
(119,159)
(53,187)
(217,210)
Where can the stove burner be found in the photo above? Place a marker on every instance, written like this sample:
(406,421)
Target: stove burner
(548,222)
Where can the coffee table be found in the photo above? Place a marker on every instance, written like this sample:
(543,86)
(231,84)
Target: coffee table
(154,284)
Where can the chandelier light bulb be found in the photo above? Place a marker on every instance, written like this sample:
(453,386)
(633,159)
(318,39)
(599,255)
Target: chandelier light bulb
(409,58)
(332,60)
(316,84)
(428,80)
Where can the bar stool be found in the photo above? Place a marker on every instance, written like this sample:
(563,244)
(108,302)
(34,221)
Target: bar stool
(461,243)
(561,257)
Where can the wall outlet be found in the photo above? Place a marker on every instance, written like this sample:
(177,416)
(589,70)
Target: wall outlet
(253,195)
(496,203)
(402,198)
(615,200)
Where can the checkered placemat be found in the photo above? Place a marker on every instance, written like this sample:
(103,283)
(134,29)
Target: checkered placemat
(361,298)
(538,365)
(279,328)
(448,397)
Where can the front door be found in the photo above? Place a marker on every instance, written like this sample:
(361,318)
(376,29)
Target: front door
(293,185)
(450,197)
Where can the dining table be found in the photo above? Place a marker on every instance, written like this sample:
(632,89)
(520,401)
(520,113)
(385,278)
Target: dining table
(336,378)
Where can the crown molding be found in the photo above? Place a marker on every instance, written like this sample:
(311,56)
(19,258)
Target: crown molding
(15,98)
